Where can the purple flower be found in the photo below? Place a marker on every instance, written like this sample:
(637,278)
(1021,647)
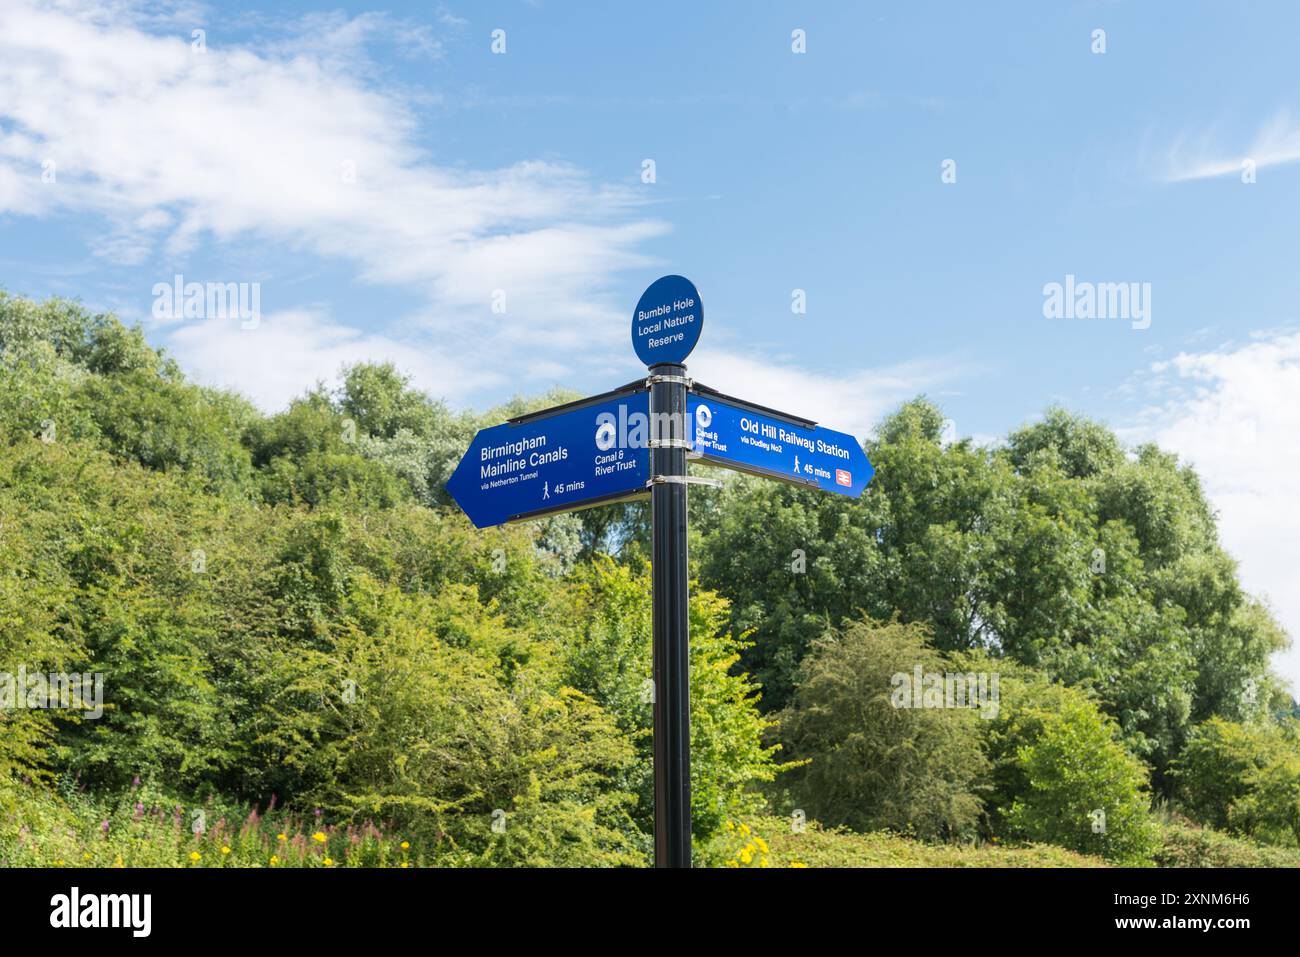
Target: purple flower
(104,826)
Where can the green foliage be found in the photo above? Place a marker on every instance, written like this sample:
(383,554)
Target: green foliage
(810,563)
(1082,447)
(870,763)
(287,606)
(608,656)
(816,846)
(1056,551)
(1082,790)
(1243,778)
(1184,846)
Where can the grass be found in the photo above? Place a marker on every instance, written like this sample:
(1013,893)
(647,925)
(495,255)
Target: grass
(147,829)
(818,847)
(38,829)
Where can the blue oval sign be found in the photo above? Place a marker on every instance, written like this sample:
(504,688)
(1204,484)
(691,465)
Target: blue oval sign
(667,321)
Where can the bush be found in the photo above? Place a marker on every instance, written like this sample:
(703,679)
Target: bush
(1182,845)
(868,764)
(1243,778)
(1082,790)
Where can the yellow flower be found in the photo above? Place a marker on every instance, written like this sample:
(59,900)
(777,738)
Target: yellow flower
(329,862)
(730,826)
(275,859)
(763,863)
(406,863)
(225,850)
(744,830)
(59,862)
(118,863)
(406,845)
(733,864)
(281,837)
(319,837)
(762,844)
(797,864)
(746,854)
(195,856)
(86,856)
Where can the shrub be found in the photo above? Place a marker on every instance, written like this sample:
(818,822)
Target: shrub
(868,764)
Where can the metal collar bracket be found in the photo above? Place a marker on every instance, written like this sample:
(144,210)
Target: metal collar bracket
(671,444)
(682,480)
(655,379)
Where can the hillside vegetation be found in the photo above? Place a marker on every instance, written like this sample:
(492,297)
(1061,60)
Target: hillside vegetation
(309,657)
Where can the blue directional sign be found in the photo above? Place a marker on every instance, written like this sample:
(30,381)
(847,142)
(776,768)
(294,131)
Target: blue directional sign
(667,321)
(580,456)
(737,437)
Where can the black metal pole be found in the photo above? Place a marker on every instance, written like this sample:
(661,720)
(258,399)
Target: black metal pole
(671,626)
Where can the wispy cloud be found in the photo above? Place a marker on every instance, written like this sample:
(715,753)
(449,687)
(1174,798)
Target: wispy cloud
(168,150)
(1203,156)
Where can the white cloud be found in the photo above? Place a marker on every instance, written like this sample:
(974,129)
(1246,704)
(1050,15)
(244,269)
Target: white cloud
(852,402)
(1234,414)
(290,351)
(1200,157)
(172,149)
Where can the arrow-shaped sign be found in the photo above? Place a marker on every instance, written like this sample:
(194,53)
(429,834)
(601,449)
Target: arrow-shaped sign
(576,456)
(743,437)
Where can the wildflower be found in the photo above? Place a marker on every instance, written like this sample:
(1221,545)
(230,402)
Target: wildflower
(406,863)
(329,862)
(319,837)
(763,862)
(762,844)
(275,859)
(406,845)
(797,864)
(744,830)
(225,850)
(118,862)
(730,826)
(746,853)
(135,782)
(103,826)
(86,856)
(195,856)
(281,837)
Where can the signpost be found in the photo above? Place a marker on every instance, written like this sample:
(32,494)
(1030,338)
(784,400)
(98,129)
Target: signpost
(635,441)
(748,438)
(554,461)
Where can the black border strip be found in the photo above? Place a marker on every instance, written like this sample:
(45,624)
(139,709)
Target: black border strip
(636,386)
(700,389)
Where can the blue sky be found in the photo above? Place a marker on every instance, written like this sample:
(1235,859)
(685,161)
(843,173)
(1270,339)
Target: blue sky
(521,173)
